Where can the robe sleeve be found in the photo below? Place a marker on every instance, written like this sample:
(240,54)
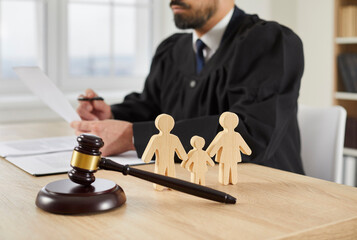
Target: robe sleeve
(266,97)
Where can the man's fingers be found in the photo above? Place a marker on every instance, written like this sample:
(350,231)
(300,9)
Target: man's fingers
(100,105)
(74,124)
(77,133)
(85,111)
(85,106)
(90,93)
(82,126)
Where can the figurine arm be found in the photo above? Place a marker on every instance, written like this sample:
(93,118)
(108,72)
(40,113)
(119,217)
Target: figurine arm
(180,151)
(189,165)
(209,161)
(186,163)
(149,150)
(214,146)
(243,146)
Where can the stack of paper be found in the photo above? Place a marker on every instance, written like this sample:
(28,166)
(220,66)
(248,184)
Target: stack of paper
(46,156)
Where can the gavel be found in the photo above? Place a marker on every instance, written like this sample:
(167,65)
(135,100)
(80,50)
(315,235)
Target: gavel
(86,160)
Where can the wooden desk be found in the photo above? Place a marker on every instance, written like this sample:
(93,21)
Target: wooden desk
(271,204)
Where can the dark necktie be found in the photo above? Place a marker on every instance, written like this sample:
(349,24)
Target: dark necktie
(200,60)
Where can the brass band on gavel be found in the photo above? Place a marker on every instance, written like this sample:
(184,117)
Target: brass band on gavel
(85,161)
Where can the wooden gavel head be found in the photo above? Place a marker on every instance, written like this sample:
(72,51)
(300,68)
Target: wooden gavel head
(85,159)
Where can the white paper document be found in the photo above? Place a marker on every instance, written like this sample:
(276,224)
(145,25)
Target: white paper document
(47,91)
(37,146)
(44,156)
(59,162)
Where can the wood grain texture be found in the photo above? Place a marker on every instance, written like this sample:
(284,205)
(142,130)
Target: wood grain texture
(271,204)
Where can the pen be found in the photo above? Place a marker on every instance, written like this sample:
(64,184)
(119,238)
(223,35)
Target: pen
(90,99)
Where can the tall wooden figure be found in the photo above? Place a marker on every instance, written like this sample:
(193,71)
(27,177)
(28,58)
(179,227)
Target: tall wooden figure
(164,145)
(197,161)
(227,146)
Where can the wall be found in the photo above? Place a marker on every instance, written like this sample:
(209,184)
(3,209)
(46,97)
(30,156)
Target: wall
(315,26)
(261,7)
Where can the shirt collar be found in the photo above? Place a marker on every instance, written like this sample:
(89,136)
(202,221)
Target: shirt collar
(213,37)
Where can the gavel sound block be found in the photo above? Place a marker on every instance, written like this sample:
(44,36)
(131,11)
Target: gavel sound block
(82,193)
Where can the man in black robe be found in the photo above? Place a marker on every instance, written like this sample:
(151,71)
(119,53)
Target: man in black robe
(240,63)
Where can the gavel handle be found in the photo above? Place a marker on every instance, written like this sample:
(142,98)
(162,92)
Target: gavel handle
(174,183)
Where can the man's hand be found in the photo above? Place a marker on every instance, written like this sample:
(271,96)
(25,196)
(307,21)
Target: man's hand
(117,135)
(93,110)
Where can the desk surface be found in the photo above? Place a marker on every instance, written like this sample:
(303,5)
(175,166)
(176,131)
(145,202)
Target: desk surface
(271,204)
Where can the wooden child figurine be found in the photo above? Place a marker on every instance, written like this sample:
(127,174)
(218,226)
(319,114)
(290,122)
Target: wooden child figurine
(197,161)
(164,145)
(227,146)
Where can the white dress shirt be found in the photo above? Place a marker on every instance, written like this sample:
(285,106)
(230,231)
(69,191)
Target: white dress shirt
(213,37)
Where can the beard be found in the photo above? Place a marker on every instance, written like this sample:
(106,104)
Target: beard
(197,18)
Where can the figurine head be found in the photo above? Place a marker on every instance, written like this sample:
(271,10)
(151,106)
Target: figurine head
(229,120)
(165,123)
(197,142)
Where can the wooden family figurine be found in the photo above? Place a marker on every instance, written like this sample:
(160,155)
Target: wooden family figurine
(197,161)
(164,145)
(227,146)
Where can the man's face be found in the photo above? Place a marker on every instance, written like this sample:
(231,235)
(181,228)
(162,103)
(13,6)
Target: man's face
(193,13)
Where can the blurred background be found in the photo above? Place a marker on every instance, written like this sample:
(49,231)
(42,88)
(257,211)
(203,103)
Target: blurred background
(108,44)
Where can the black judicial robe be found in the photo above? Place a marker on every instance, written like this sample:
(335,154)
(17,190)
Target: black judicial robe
(255,73)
